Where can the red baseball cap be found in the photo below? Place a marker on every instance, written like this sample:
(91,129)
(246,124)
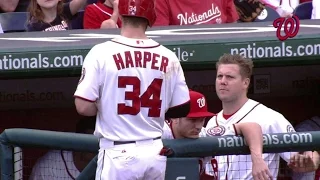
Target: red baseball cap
(198,106)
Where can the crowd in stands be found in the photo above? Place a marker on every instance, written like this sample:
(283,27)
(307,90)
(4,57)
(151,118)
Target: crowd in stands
(285,8)
(56,15)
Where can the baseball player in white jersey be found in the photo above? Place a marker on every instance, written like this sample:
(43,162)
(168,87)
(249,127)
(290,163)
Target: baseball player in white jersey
(61,164)
(232,82)
(191,126)
(130,82)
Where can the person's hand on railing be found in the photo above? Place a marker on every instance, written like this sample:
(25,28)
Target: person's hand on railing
(260,170)
(304,162)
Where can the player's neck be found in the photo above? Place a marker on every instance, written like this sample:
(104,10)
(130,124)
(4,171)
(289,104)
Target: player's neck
(233,106)
(49,14)
(133,32)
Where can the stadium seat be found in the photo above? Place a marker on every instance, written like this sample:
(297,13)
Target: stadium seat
(1,31)
(268,14)
(92,1)
(77,22)
(303,10)
(14,21)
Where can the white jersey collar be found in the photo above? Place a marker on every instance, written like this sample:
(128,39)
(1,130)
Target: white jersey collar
(241,113)
(136,43)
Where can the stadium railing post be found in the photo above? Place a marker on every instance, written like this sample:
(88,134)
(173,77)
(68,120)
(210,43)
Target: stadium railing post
(89,172)
(6,161)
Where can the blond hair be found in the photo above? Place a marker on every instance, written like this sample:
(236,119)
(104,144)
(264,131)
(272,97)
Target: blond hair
(245,64)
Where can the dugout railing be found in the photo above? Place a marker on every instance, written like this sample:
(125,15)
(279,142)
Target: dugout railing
(185,151)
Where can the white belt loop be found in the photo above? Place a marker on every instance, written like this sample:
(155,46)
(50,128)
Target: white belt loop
(143,142)
(105,143)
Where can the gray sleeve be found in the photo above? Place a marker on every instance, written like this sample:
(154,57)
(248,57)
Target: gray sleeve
(312,124)
(303,176)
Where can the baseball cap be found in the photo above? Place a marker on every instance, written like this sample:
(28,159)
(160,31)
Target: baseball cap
(198,106)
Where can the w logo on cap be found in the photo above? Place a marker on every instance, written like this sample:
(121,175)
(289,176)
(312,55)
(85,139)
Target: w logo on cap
(132,10)
(198,106)
(201,102)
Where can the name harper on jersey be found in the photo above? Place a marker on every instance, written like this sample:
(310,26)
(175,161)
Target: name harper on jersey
(141,59)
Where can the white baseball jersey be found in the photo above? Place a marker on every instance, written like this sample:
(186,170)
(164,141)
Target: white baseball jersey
(315,9)
(206,165)
(133,82)
(240,166)
(55,165)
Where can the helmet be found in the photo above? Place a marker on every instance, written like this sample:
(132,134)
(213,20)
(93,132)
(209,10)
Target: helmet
(138,8)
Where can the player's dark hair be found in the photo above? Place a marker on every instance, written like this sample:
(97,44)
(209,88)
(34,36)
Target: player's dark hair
(135,21)
(245,64)
(86,123)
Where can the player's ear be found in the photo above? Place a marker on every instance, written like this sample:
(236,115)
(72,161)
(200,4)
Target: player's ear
(174,120)
(246,82)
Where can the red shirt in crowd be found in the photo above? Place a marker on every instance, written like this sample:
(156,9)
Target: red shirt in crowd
(317,176)
(95,14)
(184,12)
(302,1)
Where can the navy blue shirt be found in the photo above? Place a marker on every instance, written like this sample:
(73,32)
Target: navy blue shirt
(312,124)
(58,24)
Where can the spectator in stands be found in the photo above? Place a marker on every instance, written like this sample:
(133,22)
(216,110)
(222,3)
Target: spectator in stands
(284,8)
(53,15)
(315,9)
(8,5)
(103,14)
(13,5)
(312,124)
(187,12)
(64,165)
